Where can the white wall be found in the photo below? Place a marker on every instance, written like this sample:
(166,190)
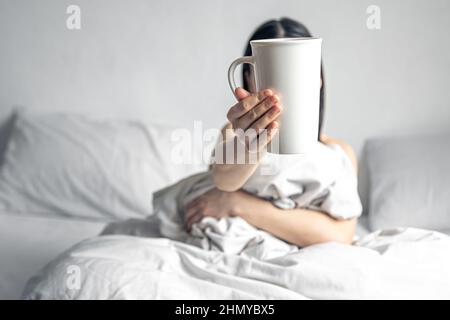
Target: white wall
(167,60)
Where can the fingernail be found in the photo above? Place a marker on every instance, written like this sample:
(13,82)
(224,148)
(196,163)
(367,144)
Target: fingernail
(274,99)
(267,92)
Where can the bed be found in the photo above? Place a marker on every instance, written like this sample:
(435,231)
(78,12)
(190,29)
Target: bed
(34,232)
(27,244)
(52,210)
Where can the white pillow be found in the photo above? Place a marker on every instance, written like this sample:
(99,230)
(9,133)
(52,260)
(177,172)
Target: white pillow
(73,166)
(409,182)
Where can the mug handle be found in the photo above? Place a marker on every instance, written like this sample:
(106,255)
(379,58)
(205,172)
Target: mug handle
(232,68)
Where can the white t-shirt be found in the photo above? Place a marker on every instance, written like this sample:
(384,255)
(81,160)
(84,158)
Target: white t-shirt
(323,180)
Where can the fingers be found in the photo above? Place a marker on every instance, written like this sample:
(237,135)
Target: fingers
(193,213)
(241,93)
(254,114)
(191,208)
(272,129)
(193,219)
(194,203)
(246,104)
(265,136)
(273,126)
(267,118)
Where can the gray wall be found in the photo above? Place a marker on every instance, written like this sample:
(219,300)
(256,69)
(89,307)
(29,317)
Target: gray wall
(167,60)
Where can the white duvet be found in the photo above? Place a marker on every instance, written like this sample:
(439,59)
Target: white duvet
(230,259)
(393,264)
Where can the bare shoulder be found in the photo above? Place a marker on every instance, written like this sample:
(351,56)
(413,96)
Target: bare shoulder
(344,145)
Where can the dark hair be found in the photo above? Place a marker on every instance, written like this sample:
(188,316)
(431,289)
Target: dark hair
(283,28)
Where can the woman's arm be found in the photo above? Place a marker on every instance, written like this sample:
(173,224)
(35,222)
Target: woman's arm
(298,226)
(252,113)
(230,176)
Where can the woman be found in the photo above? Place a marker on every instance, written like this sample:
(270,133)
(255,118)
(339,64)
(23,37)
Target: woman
(260,110)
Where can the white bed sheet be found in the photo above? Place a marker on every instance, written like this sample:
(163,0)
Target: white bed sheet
(401,263)
(29,243)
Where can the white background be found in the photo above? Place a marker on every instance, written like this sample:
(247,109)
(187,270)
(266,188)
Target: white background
(167,60)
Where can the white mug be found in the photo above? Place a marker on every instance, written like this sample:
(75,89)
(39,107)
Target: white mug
(291,68)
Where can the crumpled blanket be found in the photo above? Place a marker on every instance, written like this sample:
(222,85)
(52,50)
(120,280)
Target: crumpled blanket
(401,263)
(323,180)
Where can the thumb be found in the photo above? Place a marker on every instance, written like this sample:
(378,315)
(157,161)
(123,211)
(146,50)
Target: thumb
(241,93)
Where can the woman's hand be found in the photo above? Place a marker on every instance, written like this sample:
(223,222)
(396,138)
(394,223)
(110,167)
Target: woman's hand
(214,203)
(252,114)
(253,123)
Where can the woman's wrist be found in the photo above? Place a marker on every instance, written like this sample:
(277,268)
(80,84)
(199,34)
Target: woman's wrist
(233,149)
(245,205)
(239,203)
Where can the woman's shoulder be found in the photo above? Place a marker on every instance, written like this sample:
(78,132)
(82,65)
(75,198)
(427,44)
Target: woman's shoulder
(347,148)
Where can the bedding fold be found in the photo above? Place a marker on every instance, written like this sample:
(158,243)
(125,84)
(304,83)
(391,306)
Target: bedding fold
(392,264)
(324,180)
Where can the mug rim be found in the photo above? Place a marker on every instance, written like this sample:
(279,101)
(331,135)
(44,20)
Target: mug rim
(285,41)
